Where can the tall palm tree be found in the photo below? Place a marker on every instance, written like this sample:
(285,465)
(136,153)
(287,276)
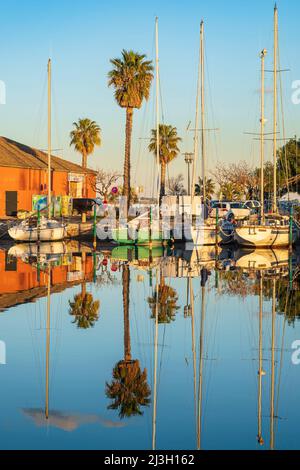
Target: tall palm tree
(131,78)
(209,186)
(129,390)
(85,136)
(168,150)
(166,299)
(84,309)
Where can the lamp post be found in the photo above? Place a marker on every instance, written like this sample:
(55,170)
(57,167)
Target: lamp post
(189,158)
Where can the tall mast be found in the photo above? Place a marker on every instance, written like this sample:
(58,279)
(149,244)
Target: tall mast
(203,113)
(48,343)
(262,135)
(196,136)
(157,108)
(49,139)
(275,108)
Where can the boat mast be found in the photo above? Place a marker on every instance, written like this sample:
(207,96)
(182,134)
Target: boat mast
(196,137)
(203,113)
(49,139)
(262,138)
(275,109)
(48,343)
(157,108)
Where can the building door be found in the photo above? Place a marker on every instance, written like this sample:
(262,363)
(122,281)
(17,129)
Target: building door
(76,189)
(11,198)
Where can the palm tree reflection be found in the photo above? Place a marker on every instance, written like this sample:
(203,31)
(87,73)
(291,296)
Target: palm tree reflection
(167,299)
(84,309)
(129,390)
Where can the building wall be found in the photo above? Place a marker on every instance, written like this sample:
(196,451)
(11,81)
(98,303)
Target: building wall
(29,183)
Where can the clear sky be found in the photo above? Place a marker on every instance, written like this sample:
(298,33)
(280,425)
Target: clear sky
(81,37)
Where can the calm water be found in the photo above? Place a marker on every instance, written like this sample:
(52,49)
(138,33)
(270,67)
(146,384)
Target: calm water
(112,348)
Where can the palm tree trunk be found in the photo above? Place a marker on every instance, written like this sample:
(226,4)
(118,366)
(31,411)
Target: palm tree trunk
(163,180)
(84,159)
(84,165)
(127,163)
(83,285)
(83,290)
(126,288)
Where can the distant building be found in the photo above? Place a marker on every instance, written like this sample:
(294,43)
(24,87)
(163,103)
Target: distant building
(23,175)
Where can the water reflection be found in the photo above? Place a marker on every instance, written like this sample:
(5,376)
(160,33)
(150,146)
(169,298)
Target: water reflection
(129,390)
(171,301)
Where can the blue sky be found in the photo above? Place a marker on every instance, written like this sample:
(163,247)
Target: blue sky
(81,37)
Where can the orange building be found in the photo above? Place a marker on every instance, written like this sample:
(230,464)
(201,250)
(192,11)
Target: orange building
(24,174)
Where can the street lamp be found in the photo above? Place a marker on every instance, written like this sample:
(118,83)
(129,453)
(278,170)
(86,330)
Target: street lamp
(189,158)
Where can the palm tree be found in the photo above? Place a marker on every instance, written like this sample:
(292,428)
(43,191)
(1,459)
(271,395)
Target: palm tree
(168,150)
(209,186)
(85,136)
(129,390)
(167,303)
(84,309)
(230,191)
(131,78)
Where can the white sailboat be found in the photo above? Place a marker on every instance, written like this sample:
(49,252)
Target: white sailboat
(205,231)
(272,230)
(45,229)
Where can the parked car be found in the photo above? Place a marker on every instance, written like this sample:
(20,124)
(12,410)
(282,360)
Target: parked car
(223,208)
(237,209)
(254,206)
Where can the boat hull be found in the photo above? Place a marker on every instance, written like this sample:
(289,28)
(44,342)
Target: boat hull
(205,235)
(142,238)
(34,235)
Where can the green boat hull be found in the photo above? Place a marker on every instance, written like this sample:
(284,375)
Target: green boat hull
(121,237)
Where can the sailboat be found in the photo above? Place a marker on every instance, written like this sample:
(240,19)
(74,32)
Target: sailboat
(206,231)
(272,230)
(41,229)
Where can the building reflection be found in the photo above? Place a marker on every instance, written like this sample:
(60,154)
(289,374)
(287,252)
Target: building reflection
(23,277)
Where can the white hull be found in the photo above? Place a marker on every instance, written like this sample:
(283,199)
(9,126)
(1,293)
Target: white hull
(50,232)
(262,236)
(205,235)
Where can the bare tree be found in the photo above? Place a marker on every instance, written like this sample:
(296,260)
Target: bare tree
(175,186)
(240,177)
(105,181)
